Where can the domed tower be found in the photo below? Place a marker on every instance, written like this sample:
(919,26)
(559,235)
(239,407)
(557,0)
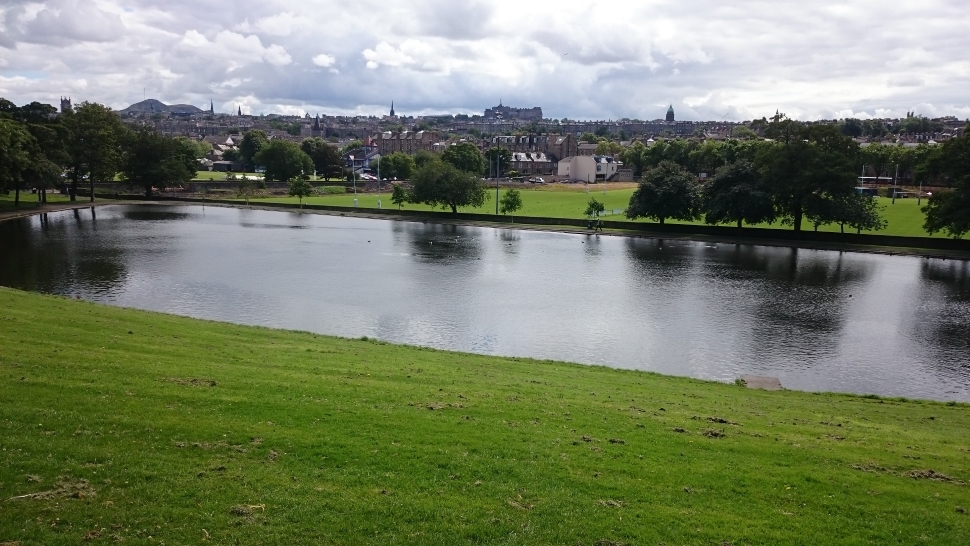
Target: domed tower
(670,113)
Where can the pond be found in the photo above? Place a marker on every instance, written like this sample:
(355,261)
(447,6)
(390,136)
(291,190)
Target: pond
(818,320)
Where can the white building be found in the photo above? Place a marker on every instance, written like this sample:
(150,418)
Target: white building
(586,168)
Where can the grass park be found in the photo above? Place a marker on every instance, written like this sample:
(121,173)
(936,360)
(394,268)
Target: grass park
(569,201)
(125,426)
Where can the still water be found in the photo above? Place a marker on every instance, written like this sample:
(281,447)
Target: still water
(818,320)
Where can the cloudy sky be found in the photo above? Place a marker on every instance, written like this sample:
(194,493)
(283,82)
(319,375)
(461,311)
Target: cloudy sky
(609,59)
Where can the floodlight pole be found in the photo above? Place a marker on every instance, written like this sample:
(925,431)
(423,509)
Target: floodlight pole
(895,182)
(497,169)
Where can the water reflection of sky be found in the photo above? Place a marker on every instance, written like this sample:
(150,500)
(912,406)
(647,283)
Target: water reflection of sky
(819,320)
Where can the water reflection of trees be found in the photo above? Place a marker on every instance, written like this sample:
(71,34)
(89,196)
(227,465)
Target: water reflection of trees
(437,243)
(773,300)
(54,253)
(942,316)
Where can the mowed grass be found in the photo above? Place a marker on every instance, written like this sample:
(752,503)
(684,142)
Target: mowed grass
(126,426)
(558,201)
(28,201)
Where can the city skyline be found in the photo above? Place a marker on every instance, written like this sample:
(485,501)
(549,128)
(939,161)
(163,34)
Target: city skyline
(711,62)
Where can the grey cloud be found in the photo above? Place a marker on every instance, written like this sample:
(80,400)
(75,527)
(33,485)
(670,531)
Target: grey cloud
(711,59)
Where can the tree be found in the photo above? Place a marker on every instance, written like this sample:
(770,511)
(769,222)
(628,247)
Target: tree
(877,157)
(351,146)
(465,156)
(423,157)
(593,208)
(399,195)
(253,141)
(232,154)
(283,160)
(325,157)
(860,212)
(502,157)
(744,133)
(150,159)
(93,142)
(851,127)
(637,157)
(300,187)
(736,194)
(442,184)
(608,147)
(397,165)
(805,165)
(510,202)
(589,138)
(950,210)
(666,191)
(15,145)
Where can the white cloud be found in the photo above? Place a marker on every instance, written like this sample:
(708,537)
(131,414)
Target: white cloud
(324,60)
(612,59)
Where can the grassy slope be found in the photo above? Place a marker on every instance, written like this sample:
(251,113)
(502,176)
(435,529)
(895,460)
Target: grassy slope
(904,217)
(356,442)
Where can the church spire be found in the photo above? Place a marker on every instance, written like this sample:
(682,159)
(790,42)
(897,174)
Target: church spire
(239,111)
(392,109)
(212,107)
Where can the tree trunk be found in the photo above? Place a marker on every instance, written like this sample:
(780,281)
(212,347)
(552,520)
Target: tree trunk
(842,227)
(739,224)
(16,196)
(73,191)
(798,219)
(43,196)
(148,190)
(661,220)
(92,189)
(454,209)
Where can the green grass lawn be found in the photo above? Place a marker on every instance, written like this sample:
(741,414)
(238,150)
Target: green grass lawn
(126,426)
(28,200)
(904,217)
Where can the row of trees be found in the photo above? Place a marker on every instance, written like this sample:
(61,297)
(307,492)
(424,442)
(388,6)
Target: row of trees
(804,172)
(42,149)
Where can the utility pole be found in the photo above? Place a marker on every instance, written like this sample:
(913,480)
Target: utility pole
(895,182)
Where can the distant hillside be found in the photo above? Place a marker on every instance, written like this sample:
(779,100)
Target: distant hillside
(155,106)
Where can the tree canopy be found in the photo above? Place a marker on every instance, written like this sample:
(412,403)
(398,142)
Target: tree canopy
(666,191)
(737,194)
(465,156)
(398,165)
(440,183)
(150,159)
(949,211)
(283,160)
(500,157)
(252,142)
(94,144)
(326,159)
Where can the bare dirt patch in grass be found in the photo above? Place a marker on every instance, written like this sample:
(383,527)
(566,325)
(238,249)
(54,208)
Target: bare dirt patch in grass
(66,488)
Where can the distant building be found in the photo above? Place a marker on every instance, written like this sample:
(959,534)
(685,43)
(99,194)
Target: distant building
(555,147)
(670,113)
(409,142)
(509,113)
(65,104)
(587,168)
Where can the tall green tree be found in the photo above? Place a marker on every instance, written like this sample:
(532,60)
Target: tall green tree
(593,208)
(498,160)
(49,157)
(949,211)
(325,156)
(398,165)
(511,201)
(465,156)
(666,191)
(859,212)
(737,194)
(400,195)
(608,147)
(878,157)
(253,141)
(94,135)
(806,165)
(15,146)
(423,157)
(300,187)
(636,157)
(152,160)
(442,184)
(283,160)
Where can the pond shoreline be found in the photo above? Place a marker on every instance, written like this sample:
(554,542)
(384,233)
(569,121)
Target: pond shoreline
(435,219)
